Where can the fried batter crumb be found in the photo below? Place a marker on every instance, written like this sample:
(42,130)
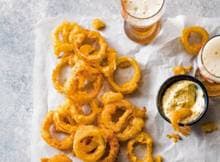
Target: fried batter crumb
(158,158)
(174,137)
(209,127)
(98,24)
(181,70)
(57,158)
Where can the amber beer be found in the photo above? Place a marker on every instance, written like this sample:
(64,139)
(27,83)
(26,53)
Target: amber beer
(209,66)
(142,19)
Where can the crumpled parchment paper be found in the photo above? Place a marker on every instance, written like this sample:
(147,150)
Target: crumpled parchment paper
(156,60)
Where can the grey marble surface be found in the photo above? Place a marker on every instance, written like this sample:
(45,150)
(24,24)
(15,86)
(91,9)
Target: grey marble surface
(17,21)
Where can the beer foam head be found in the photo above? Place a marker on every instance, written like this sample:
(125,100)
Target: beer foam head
(211,56)
(143,8)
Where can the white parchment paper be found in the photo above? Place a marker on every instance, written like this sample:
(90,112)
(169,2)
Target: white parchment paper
(156,59)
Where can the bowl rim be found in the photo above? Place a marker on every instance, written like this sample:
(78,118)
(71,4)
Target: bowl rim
(167,83)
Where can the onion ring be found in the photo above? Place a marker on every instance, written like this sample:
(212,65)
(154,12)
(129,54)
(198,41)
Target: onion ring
(57,158)
(61,33)
(131,85)
(143,138)
(194,48)
(94,133)
(133,128)
(111,141)
(77,34)
(108,64)
(96,55)
(80,117)
(64,144)
(61,38)
(84,83)
(62,119)
(57,71)
(110,109)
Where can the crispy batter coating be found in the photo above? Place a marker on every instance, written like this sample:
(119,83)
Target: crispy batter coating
(176,118)
(94,134)
(61,144)
(63,120)
(110,109)
(61,38)
(79,115)
(209,127)
(98,24)
(174,137)
(181,70)
(131,85)
(111,140)
(134,127)
(84,84)
(108,64)
(110,96)
(63,62)
(97,50)
(158,158)
(142,138)
(57,158)
(193,47)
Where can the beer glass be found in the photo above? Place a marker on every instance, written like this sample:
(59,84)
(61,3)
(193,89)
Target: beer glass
(208,62)
(142,22)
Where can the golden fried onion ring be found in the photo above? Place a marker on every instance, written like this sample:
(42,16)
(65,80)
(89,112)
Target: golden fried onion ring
(63,120)
(61,38)
(88,145)
(80,117)
(110,109)
(66,61)
(133,128)
(84,84)
(94,133)
(57,158)
(94,39)
(142,138)
(62,32)
(131,85)
(194,48)
(111,141)
(108,64)
(64,144)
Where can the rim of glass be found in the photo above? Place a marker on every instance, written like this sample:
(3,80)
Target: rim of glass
(202,56)
(142,18)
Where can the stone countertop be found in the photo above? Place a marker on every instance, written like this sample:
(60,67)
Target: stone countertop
(17,20)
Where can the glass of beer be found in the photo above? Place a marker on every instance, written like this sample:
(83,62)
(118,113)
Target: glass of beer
(142,19)
(209,66)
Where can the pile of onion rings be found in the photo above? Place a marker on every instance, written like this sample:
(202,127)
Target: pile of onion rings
(88,117)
